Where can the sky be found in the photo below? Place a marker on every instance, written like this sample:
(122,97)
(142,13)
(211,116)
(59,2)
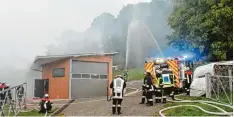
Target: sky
(27,26)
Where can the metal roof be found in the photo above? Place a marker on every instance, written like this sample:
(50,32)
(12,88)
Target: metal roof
(40,60)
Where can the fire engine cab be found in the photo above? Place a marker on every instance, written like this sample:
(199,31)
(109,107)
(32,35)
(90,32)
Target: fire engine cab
(175,72)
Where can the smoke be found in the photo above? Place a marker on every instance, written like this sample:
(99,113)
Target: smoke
(71,42)
(107,34)
(134,28)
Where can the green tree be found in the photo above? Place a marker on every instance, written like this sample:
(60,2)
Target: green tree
(206,24)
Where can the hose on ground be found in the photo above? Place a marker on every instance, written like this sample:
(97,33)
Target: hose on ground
(223,112)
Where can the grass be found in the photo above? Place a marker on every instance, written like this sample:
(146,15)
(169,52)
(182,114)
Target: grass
(222,97)
(35,113)
(192,98)
(133,74)
(30,113)
(191,111)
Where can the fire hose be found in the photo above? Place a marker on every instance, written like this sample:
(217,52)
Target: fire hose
(223,112)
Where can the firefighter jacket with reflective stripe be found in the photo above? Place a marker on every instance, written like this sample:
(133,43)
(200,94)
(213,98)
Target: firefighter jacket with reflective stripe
(117,86)
(144,83)
(149,84)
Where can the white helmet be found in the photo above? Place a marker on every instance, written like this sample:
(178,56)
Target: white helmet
(46,95)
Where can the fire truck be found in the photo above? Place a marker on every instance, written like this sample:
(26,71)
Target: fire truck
(176,73)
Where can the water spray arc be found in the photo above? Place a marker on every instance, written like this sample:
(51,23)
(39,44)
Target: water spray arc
(128,45)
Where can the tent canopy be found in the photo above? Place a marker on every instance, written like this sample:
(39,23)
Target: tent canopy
(198,85)
(209,68)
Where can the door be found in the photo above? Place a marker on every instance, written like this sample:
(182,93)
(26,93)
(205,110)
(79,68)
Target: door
(39,88)
(89,79)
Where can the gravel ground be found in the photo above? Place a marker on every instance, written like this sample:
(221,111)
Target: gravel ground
(101,107)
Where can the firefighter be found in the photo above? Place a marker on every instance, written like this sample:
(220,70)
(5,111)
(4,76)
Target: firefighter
(150,89)
(117,85)
(45,104)
(158,90)
(126,75)
(20,92)
(3,94)
(144,90)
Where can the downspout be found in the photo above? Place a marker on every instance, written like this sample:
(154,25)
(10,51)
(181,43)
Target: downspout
(70,78)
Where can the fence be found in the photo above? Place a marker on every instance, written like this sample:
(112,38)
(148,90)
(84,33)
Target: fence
(219,86)
(13,100)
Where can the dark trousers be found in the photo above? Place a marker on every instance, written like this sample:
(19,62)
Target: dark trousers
(158,95)
(116,103)
(42,108)
(143,97)
(149,97)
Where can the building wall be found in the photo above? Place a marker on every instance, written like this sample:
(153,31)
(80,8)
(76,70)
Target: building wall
(107,59)
(58,87)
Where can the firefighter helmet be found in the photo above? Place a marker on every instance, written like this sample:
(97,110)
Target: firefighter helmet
(118,76)
(46,95)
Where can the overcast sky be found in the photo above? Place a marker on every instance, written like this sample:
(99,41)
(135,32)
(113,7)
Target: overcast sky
(27,26)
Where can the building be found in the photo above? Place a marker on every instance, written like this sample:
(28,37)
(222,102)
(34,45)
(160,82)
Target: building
(70,76)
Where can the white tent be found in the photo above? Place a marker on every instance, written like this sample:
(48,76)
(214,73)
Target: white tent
(198,85)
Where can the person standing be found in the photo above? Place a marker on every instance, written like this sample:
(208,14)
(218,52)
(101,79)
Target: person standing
(144,90)
(117,85)
(150,89)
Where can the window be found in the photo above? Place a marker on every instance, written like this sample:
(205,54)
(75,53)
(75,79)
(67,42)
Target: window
(103,76)
(85,75)
(76,75)
(95,76)
(59,72)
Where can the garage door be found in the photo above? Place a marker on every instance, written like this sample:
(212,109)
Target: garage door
(89,79)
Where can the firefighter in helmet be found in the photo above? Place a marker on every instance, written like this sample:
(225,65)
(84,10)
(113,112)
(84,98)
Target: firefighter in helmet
(117,85)
(158,91)
(45,104)
(150,88)
(144,90)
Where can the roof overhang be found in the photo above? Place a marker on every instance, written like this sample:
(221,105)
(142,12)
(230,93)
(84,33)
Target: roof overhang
(41,60)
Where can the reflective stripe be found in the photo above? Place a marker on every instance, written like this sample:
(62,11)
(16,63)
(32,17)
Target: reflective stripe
(143,96)
(151,90)
(156,97)
(113,105)
(187,89)
(171,94)
(159,97)
(159,90)
(147,85)
(150,99)
(45,105)
(115,97)
(164,97)
(118,105)
(118,85)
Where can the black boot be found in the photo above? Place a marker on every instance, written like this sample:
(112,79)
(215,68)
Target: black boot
(119,110)
(159,100)
(151,103)
(164,99)
(113,110)
(173,97)
(156,99)
(187,91)
(142,100)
